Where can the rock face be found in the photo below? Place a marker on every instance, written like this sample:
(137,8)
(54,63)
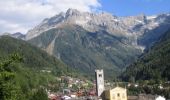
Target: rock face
(136,28)
(87,41)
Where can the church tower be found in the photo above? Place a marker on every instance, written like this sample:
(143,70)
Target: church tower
(99,82)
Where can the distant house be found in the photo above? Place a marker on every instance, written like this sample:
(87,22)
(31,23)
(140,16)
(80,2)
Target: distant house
(52,97)
(160,98)
(65,98)
(117,93)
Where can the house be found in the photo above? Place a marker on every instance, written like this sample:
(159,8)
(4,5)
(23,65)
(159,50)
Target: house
(66,97)
(160,98)
(117,93)
(52,97)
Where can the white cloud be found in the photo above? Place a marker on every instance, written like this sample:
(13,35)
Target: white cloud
(21,15)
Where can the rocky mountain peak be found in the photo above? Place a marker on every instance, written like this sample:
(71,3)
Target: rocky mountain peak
(18,35)
(71,12)
(132,27)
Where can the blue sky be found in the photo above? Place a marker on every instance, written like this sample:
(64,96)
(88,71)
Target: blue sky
(135,7)
(23,15)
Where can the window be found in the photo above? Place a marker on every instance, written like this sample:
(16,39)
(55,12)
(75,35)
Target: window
(100,75)
(118,95)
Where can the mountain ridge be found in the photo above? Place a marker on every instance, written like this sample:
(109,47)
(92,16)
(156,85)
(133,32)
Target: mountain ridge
(87,41)
(132,27)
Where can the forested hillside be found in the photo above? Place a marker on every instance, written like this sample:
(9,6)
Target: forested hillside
(154,65)
(26,71)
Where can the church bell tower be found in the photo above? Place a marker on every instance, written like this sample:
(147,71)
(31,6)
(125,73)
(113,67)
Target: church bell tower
(99,75)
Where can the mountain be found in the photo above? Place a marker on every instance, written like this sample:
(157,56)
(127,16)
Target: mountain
(87,41)
(18,35)
(86,51)
(139,30)
(153,65)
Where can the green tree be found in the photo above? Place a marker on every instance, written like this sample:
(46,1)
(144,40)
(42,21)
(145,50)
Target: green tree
(40,94)
(8,89)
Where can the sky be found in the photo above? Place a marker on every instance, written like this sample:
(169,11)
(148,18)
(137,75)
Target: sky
(22,15)
(135,7)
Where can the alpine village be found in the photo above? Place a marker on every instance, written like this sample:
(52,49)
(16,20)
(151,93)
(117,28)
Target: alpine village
(76,54)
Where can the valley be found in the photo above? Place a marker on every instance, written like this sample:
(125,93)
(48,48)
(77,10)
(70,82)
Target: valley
(82,55)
